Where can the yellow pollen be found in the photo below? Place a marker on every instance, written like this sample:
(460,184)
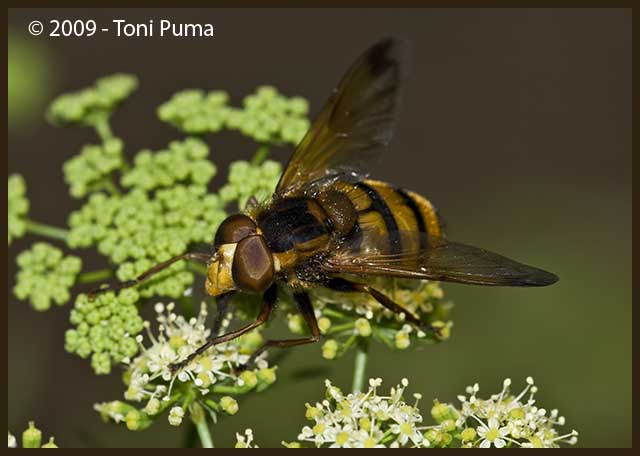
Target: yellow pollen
(342,438)
(492,434)
(406,428)
(319,428)
(369,442)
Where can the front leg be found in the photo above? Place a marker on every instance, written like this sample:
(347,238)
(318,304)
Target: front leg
(269,301)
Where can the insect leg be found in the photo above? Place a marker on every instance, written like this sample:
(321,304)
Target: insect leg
(340,284)
(269,300)
(306,310)
(197,256)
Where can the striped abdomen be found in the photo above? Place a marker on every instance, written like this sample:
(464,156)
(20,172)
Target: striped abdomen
(381,211)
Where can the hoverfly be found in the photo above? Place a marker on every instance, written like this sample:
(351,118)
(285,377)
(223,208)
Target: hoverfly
(327,222)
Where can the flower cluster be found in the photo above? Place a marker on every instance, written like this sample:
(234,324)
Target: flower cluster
(90,170)
(31,438)
(503,420)
(267,116)
(346,318)
(183,161)
(196,112)
(45,276)
(139,230)
(105,328)
(88,105)
(18,206)
(248,180)
(209,380)
(364,420)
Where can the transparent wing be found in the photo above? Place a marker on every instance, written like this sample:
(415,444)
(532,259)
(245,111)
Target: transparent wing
(421,257)
(355,124)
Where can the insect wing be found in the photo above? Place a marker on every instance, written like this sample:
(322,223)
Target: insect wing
(355,124)
(440,260)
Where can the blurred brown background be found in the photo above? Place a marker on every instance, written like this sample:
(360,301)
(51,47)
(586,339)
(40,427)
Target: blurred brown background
(516,124)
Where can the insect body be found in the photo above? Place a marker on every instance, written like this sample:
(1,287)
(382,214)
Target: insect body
(328,223)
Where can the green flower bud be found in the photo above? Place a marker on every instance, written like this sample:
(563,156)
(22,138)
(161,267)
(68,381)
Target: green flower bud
(152,407)
(363,327)
(176,414)
(468,435)
(448,425)
(132,420)
(248,379)
(330,349)
(50,444)
(106,329)
(251,342)
(32,437)
(312,412)
(434,437)
(446,440)
(18,207)
(441,412)
(402,340)
(324,324)
(91,169)
(267,375)
(229,405)
(45,276)
(85,106)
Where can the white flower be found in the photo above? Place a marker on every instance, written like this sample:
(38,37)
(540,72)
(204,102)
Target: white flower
(246,440)
(492,434)
(12,441)
(151,376)
(505,419)
(363,420)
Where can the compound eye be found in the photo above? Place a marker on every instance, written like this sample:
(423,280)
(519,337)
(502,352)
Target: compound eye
(252,268)
(234,229)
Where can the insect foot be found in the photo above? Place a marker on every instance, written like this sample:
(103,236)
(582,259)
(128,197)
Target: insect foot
(438,328)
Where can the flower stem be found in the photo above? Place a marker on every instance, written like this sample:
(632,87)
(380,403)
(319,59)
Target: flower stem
(360,365)
(47,230)
(204,433)
(260,155)
(95,276)
(199,418)
(110,186)
(101,125)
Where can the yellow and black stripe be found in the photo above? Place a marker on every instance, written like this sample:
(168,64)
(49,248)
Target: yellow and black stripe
(396,214)
(369,214)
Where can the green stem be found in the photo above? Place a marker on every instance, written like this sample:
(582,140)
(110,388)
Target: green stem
(95,276)
(340,328)
(101,124)
(110,186)
(204,433)
(261,155)
(360,365)
(47,230)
